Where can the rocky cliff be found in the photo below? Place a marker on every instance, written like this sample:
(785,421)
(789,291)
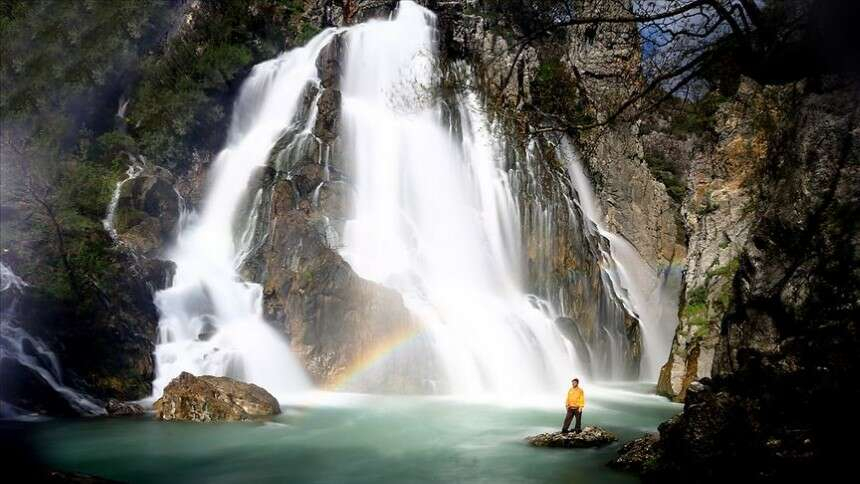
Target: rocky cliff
(719,211)
(785,359)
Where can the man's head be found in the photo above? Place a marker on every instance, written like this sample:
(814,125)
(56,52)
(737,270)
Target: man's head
(575,382)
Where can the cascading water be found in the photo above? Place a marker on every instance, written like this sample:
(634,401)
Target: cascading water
(435,217)
(133,171)
(643,291)
(31,353)
(211,321)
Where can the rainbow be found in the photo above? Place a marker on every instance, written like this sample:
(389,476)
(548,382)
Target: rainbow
(381,350)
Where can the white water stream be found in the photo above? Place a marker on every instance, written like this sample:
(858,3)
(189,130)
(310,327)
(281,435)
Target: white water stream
(211,320)
(30,352)
(435,217)
(640,288)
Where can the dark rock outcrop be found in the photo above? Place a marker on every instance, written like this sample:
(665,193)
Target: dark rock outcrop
(636,455)
(588,437)
(147,211)
(24,389)
(211,398)
(107,351)
(779,404)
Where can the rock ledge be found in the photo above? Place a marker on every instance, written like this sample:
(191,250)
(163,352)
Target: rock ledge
(589,437)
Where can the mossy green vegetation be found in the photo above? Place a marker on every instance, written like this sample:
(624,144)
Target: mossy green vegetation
(711,300)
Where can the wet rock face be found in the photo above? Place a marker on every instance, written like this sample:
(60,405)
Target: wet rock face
(588,437)
(24,388)
(108,351)
(333,318)
(147,211)
(210,398)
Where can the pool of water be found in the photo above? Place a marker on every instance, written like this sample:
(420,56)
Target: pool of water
(330,437)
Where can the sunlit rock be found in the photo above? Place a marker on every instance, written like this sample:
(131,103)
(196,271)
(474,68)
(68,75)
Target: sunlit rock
(211,398)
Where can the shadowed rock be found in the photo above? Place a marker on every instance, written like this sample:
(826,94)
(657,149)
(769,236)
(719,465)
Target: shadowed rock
(589,437)
(635,455)
(119,408)
(212,398)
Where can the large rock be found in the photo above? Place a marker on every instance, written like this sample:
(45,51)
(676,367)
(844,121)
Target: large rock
(212,398)
(147,211)
(117,408)
(588,437)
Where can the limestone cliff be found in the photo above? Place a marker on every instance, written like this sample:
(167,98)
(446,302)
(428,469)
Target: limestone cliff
(785,359)
(719,211)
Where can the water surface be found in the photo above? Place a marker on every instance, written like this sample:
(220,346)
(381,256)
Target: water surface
(358,439)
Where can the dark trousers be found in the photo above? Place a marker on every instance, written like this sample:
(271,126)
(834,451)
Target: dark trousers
(573,412)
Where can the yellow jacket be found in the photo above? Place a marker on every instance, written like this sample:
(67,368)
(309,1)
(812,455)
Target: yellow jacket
(576,398)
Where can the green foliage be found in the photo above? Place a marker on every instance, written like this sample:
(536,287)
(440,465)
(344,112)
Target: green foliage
(726,271)
(698,295)
(61,57)
(186,90)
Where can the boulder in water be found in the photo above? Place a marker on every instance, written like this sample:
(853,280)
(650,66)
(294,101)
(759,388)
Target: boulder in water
(588,437)
(213,398)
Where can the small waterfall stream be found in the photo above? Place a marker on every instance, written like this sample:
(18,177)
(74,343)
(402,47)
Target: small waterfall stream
(643,292)
(31,353)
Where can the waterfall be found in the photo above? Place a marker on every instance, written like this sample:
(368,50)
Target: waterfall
(211,321)
(435,217)
(133,171)
(642,290)
(31,352)
(440,214)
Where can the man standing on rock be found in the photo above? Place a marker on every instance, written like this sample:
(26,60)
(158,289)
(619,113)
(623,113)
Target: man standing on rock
(575,404)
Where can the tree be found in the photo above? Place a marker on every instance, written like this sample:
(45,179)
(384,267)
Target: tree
(696,45)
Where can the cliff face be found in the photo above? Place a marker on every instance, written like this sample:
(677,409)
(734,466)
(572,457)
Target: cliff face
(719,211)
(785,359)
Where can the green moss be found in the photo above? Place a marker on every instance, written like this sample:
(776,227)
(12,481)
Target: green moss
(726,271)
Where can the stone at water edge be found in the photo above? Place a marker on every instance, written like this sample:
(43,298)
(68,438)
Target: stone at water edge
(117,408)
(213,398)
(636,455)
(589,437)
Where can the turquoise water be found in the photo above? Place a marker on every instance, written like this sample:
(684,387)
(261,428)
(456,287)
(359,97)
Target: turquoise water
(356,439)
